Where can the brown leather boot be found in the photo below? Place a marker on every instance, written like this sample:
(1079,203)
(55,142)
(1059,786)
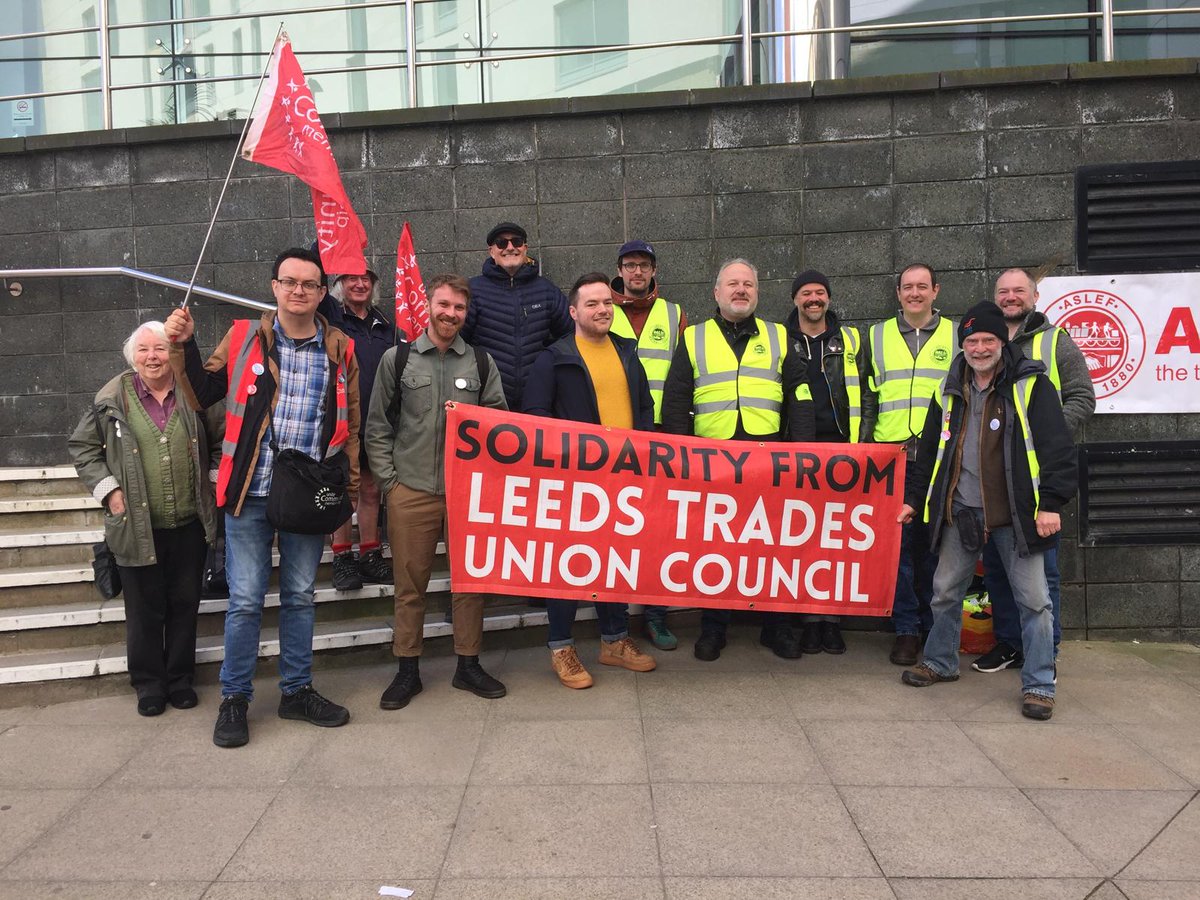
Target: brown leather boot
(905,650)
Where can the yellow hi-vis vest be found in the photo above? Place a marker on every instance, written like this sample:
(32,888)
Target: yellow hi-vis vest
(906,385)
(1044,349)
(656,346)
(851,376)
(1022,393)
(723,390)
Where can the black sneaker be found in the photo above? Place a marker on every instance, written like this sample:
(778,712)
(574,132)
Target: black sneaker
(709,645)
(810,637)
(346,576)
(1002,656)
(232,729)
(781,640)
(309,706)
(470,676)
(374,569)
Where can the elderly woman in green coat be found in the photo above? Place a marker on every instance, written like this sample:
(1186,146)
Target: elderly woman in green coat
(147,457)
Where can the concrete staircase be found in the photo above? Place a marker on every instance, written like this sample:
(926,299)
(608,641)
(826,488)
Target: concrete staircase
(56,629)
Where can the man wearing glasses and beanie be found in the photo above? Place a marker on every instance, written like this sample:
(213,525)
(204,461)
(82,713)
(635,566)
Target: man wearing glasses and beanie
(515,313)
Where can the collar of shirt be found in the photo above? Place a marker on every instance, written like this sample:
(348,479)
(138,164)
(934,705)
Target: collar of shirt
(747,326)
(303,342)
(423,344)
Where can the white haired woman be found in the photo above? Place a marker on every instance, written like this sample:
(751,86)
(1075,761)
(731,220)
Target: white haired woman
(146,456)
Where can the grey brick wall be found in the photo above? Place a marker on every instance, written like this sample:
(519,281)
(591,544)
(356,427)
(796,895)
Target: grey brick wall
(970,171)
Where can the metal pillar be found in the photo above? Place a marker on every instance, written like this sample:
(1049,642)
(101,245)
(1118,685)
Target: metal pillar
(747,43)
(106,114)
(1106,29)
(410,55)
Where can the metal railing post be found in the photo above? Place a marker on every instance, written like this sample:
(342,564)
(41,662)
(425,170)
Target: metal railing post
(106,115)
(831,40)
(1106,31)
(747,43)
(410,56)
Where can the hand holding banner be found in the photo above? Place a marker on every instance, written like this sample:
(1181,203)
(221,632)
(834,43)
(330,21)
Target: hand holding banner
(551,508)
(286,134)
(412,307)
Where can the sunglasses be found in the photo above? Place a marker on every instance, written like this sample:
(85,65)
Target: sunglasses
(503,242)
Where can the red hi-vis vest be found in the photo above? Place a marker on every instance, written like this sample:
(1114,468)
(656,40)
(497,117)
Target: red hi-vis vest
(246,350)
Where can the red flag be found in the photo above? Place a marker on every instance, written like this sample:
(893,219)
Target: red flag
(412,306)
(286,134)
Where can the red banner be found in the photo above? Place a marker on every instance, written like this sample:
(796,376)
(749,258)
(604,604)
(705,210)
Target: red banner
(286,133)
(549,508)
(412,307)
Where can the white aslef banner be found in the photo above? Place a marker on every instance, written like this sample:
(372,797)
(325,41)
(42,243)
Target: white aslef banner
(1139,333)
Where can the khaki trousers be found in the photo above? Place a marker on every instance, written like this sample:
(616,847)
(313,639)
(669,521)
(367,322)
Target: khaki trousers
(416,522)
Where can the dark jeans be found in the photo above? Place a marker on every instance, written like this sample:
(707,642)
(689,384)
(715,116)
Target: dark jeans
(911,612)
(1006,619)
(717,620)
(560,615)
(161,602)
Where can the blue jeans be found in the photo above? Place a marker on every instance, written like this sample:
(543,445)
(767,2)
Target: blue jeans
(248,540)
(560,614)
(655,613)
(911,613)
(956,568)
(1006,621)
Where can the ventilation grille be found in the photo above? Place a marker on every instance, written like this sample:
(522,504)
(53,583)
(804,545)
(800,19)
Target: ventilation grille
(1138,217)
(1144,493)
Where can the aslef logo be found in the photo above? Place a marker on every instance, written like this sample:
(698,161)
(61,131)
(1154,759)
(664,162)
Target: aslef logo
(1109,333)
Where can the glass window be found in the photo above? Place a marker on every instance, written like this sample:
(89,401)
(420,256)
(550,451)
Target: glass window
(589,23)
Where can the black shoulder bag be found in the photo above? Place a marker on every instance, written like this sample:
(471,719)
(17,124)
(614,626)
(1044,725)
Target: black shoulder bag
(105,573)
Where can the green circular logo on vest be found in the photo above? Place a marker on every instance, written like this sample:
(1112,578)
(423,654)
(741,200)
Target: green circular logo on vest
(941,354)
(659,334)
(760,349)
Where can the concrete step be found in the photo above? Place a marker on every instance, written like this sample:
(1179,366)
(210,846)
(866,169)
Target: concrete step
(92,661)
(38,481)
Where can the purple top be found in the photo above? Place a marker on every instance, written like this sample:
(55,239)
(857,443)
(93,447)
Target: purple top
(160,413)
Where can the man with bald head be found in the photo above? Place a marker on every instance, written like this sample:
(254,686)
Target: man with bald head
(766,397)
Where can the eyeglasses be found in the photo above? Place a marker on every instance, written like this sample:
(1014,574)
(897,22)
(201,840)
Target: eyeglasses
(638,266)
(502,243)
(290,284)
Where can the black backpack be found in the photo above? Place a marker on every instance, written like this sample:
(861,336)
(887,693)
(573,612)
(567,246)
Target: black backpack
(402,350)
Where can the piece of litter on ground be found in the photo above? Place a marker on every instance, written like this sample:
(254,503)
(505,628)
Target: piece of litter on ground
(386,891)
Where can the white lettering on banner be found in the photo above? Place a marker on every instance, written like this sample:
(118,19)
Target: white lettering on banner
(577,564)
(1138,334)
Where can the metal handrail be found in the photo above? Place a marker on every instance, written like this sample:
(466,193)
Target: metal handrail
(138,275)
(1106,16)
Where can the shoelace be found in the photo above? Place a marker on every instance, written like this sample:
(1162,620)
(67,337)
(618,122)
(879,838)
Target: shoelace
(231,710)
(569,660)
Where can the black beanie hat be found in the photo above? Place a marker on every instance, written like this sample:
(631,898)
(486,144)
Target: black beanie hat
(983,317)
(811,276)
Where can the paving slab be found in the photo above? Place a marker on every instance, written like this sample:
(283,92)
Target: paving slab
(584,751)
(121,834)
(938,822)
(878,698)
(25,814)
(1055,755)
(1174,744)
(532,831)
(1136,699)
(902,753)
(731,750)
(537,694)
(433,752)
(382,832)
(66,756)
(710,695)
(757,829)
(549,888)
(313,890)
(1172,854)
(103,890)
(778,889)
(1131,820)
(995,888)
(1159,890)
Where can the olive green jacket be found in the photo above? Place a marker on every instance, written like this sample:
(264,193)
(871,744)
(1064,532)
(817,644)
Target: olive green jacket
(113,464)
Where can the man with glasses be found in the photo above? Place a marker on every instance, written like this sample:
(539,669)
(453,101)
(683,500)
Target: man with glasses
(640,314)
(515,313)
(295,361)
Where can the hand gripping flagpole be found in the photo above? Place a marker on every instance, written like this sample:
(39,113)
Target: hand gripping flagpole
(236,153)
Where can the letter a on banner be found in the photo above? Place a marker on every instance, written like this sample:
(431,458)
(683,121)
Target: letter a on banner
(286,134)
(412,307)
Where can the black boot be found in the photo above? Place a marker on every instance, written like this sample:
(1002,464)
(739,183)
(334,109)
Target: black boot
(405,686)
(470,677)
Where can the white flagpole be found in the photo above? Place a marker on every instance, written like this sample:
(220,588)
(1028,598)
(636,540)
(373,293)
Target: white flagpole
(236,153)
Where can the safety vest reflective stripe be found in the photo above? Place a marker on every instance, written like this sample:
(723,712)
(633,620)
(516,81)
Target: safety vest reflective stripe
(1045,351)
(656,344)
(1022,393)
(725,390)
(905,385)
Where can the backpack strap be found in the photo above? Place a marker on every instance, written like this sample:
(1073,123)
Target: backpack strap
(481,364)
(402,350)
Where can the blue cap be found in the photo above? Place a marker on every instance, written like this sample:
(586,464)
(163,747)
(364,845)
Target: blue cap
(636,247)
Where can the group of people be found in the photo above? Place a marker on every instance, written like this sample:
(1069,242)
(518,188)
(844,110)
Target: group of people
(986,411)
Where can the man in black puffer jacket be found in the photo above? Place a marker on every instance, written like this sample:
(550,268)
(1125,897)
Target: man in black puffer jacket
(515,313)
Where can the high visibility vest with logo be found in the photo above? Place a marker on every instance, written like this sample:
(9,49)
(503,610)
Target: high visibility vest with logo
(851,376)
(724,390)
(906,385)
(1022,394)
(656,345)
(245,351)
(1044,349)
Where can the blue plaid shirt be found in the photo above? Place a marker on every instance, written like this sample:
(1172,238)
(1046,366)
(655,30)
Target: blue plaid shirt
(300,410)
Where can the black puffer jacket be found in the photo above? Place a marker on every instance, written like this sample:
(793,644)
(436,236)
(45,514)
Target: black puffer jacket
(514,318)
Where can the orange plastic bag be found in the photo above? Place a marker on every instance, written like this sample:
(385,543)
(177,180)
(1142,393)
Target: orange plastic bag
(977,634)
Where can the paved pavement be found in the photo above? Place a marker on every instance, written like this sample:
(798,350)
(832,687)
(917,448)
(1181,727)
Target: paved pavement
(749,777)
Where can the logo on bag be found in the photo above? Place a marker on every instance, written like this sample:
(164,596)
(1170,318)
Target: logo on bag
(326,498)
